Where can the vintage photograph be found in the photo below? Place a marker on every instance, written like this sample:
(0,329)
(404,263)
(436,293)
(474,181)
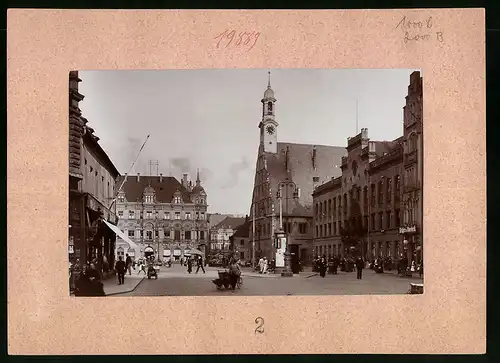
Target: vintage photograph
(249,182)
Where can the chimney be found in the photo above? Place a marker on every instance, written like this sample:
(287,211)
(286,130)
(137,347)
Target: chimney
(184,179)
(161,177)
(138,176)
(125,178)
(314,157)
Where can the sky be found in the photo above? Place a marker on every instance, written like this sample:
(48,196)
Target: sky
(208,119)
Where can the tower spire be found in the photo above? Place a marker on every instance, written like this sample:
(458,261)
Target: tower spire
(269,79)
(198,176)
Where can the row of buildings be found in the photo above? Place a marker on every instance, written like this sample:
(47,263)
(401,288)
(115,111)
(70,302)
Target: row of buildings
(365,198)
(111,215)
(92,185)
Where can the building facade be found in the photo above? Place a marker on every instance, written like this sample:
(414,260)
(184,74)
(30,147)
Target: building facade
(220,234)
(240,241)
(165,218)
(92,178)
(374,207)
(286,175)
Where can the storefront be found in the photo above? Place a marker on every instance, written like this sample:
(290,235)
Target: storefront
(412,244)
(149,251)
(166,255)
(177,254)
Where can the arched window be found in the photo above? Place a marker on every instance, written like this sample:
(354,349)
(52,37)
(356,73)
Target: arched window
(269,108)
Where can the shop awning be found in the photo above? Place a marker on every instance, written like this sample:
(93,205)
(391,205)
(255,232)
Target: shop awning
(166,253)
(177,252)
(122,235)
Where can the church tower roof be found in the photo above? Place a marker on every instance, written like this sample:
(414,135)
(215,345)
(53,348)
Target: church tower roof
(269,93)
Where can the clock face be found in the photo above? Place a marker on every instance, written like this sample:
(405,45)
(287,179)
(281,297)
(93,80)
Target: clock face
(270,130)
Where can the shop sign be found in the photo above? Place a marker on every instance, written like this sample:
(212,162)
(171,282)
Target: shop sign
(407,229)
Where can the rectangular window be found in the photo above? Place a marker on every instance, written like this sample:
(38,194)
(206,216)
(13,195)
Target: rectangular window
(202,215)
(389,220)
(166,215)
(121,199)
(389,191)
(242,242)
(202,235)
(149,215)
(188,215)
(131,233)
(373,226)
(317,231)
(149,235)
(157,234)
(187,235)
(177,235)
(120,213)
(177,215)
(131,214)
(381,220)
(397,217)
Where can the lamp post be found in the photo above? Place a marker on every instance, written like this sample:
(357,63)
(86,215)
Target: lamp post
(283,236)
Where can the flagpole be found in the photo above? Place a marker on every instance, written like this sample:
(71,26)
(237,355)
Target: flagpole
(131,167)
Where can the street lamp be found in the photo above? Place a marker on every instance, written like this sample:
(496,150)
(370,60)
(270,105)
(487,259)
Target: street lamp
(283,236)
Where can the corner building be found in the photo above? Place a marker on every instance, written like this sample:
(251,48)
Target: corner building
(375,205)
(165,218)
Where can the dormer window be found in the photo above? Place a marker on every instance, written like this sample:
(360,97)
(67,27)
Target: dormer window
(177,200)
(148,199)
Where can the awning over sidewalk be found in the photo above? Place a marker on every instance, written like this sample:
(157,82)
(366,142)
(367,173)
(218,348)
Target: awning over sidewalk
(122,235)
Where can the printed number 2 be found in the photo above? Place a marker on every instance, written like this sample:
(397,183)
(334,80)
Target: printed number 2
(260,325)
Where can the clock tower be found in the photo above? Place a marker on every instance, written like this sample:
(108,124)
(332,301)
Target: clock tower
(268,126)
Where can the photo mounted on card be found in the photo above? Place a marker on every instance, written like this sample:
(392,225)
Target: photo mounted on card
(179,213)
(257,183)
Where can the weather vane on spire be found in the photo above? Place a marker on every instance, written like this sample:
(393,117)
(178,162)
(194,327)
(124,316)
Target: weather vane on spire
(269,79)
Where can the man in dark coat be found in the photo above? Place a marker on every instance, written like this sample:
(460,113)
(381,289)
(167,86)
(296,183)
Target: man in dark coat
(121,268)
(322,266)
(200,264)
(128,264)
(359,267)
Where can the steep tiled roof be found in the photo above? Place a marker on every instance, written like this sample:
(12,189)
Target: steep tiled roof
(230,222)
(164,190)
(243,230)
(306,165)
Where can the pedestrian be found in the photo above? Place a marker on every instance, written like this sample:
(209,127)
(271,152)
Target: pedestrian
(359,267)
(234,272)
(200,264)
(121,268)
(128,264)
(421,269)
(265,265)
(189,265)
(335,264)
(261,265)
(142,267)
(322,266)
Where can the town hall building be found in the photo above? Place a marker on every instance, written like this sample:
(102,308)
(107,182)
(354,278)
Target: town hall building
(290,171)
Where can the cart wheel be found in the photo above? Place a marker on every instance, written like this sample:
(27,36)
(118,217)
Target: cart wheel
(239,283)
(226,286)
(149,277)
(219,287)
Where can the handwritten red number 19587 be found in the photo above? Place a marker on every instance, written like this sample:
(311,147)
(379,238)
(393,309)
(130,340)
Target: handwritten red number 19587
(227,37)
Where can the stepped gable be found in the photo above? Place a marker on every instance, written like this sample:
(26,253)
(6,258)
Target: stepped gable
(301,163)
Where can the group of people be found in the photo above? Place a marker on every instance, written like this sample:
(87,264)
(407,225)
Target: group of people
(322,264)
(266,266)
(86,280)
(198,260)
